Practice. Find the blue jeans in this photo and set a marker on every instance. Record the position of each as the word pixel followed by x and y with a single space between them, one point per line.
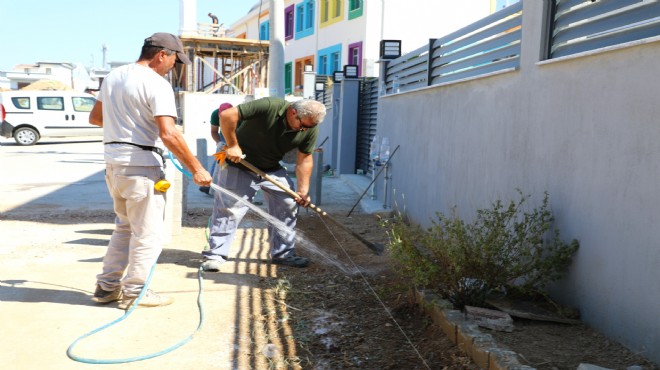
pixel 228 212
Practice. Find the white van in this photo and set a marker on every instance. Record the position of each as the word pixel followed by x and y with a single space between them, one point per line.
pixel 28 115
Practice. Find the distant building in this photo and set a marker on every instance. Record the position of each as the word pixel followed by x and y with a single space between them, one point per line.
pixel 74 76
pixel 5 84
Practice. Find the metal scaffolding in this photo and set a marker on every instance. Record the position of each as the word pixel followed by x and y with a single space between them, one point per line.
pixel 222 65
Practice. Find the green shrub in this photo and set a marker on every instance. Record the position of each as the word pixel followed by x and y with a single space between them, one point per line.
pixel 505 249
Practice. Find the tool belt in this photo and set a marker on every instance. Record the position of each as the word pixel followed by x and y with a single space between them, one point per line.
pixel 154 149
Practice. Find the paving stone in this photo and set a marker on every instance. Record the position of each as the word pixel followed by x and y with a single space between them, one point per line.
pixel 491 319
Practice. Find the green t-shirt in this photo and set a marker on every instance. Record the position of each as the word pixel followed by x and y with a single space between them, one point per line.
pixel 215 119
pixel 264 135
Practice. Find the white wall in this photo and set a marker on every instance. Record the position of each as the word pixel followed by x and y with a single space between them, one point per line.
pixel 586 130
pixel 196 111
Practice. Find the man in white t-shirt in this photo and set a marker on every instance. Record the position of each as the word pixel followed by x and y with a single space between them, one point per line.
pixel 137 111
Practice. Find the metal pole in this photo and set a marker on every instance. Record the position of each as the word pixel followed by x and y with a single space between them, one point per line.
pixel 374 180
pixel 386 178
pixel 276 49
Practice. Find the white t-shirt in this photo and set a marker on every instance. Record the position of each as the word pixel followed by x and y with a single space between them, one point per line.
pixel 132 95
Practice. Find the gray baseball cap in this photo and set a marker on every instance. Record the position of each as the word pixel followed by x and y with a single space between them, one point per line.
pixel 170 42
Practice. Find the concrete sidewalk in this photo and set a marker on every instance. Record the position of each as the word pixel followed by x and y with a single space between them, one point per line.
pixel 56 220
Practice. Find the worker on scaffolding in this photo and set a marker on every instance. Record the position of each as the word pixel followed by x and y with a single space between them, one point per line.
pixel 215 25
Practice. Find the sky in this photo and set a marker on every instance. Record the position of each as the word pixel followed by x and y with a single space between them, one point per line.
pixel 74 31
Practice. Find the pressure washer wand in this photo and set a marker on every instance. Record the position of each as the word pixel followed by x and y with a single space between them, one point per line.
pixel 376 248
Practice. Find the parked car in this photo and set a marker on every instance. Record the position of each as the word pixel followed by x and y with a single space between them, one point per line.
pixel 29 115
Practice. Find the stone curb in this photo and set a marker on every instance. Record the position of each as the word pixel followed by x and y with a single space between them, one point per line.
pixel 481 347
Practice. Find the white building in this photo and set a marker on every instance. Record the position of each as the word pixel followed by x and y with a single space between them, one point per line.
pixel 328 34
pixel 71 75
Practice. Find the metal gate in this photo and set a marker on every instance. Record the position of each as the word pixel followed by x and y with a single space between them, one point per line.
pixel 366 125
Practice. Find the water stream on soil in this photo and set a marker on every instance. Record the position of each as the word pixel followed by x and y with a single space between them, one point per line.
pixel 301 240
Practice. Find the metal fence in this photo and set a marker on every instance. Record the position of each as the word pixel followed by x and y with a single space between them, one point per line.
pixel 486 46
pixel 583 25
pixel 325 95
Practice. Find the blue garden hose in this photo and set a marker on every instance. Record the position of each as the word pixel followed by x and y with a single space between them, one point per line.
pixel 86 360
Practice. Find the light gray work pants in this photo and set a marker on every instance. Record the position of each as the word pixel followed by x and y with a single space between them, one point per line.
pixel 228 212
pixel 137 239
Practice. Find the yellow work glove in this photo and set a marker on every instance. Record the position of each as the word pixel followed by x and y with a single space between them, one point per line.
pixel 221 155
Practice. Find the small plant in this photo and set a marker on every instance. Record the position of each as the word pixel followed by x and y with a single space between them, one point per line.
pixel 504 249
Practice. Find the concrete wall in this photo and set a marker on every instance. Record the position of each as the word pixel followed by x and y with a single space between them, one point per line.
pixel 196 109
pixel 585 129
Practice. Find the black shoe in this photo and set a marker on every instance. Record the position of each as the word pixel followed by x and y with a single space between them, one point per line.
pixel 293 261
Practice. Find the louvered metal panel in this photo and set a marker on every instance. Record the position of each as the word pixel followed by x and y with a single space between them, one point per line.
pixel 488 45
pixel 366 125
pixel 580 26
pixel 324 96
pixel 510 63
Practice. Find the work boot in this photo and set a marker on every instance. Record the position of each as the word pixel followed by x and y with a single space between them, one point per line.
pixel 293 261
pixel 106 296
pixel 150 299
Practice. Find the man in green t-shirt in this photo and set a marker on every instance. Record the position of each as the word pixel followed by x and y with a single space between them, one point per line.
pixel 270 127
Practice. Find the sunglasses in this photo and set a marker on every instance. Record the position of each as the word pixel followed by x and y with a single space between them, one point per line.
pixel 303 126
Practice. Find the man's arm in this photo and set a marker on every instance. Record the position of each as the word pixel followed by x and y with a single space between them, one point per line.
pixel 175 142
pixel 304 165
pixel 228 122
pixel 96 115
pixel 215 134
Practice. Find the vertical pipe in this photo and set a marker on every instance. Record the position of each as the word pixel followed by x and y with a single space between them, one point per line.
pixel 315 183
pixel 187 17
pixel 386 178
pixel 276 49
pixel 373 180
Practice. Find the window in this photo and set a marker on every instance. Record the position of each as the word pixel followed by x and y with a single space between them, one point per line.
pixel 264 31
pixel 82 104
pixel 329 60
pixel 355 55
pixel 309 14
pixel 288 78
pixel 354 9
pixel 300 17
pixel 304 19
pixel 336 61
pixel 332 11
pixel 50 103
pixel 323 65
pixel 288 23
pixel 325 8
pixel 21 103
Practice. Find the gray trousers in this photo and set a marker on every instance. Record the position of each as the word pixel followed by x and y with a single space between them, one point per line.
pixel 228 212
pixel 136 241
